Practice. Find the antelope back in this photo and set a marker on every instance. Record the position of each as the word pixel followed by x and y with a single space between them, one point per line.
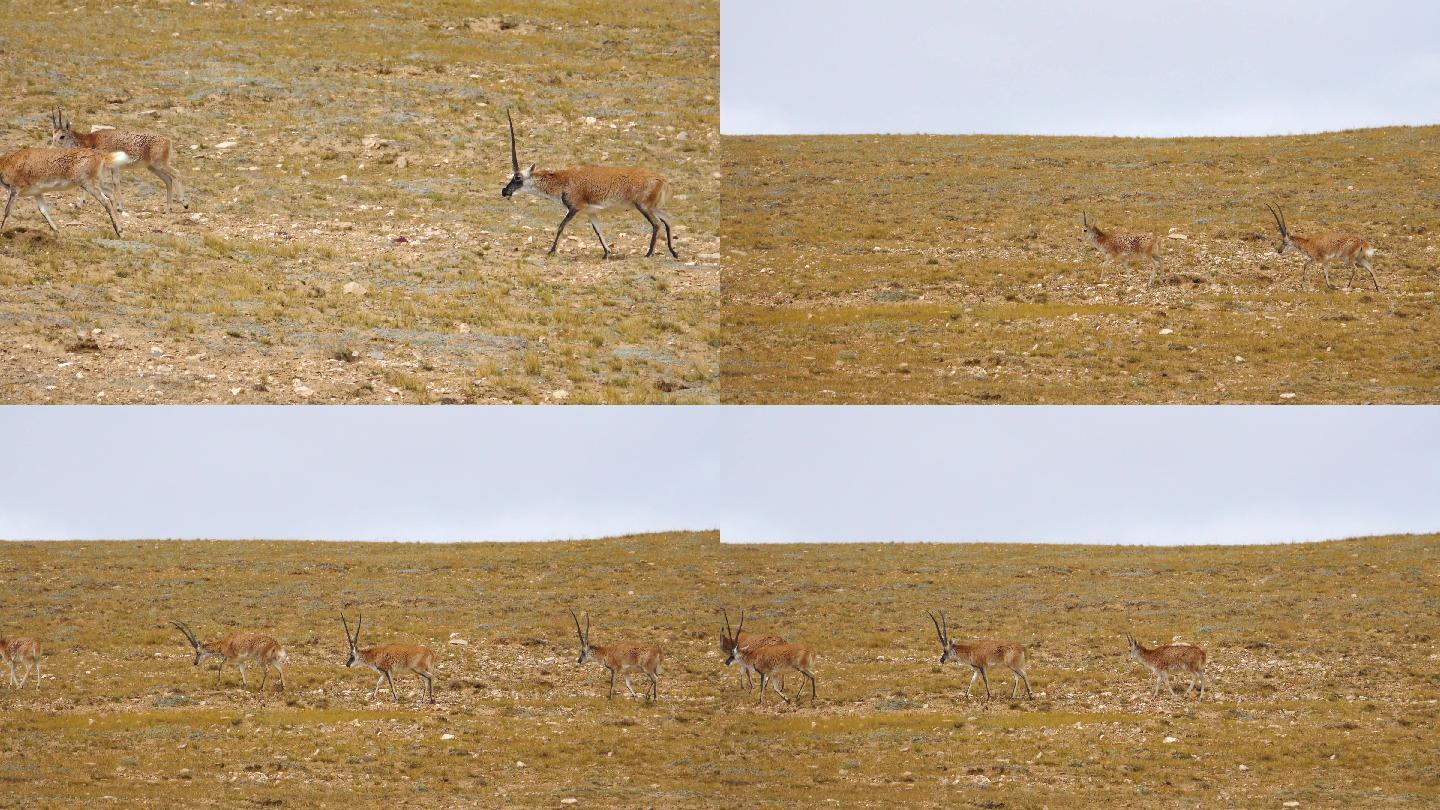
pixel 778 657
pixel 1174 656
pixel 19 649
pixel 28 167
pixel 251 645
pixel 398 657
pixel 585 186
pixel 1326 246
pixel 629 656
pixel 992 654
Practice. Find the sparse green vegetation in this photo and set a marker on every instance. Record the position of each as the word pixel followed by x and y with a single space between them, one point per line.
pixel 345 189
pixel 925 269
pixel 1321 661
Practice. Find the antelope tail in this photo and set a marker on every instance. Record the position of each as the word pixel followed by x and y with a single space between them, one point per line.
pixel 115 160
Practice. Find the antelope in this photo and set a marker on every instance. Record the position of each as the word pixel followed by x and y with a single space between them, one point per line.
pixel 34 172
pixel 243 649
pixel 1324 248
pixel 592 189
pixel 1161 661
pixel 1124 246
pixel 729 641
pixel 981 655
pixel 622 658
pixel 772 660
pixel 388 659
pixel 21 651
pixel 145 148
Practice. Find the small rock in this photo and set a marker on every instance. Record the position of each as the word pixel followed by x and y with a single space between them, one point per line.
pixel 1292 803
pixel 559 393
pixel 302 389
pixel 447 736
pixel 1287 395
pixel 1239 359
pixel 1244 767
pixel 227 144
pixel 235 392
pixel 1169 740
pixel 1167 331
pixel 569 801
pixel 354 288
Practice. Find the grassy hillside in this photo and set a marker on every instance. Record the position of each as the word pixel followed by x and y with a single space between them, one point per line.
pixel 347 241
pixel 952 269
pixel 1325 681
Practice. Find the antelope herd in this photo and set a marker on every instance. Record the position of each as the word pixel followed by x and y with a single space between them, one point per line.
pixel 767 656
pixel 82 160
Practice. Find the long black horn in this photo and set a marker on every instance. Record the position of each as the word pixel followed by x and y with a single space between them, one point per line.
pixel 578 631
pixel 348 638
pixel 186 630
pixel 727 620
pixel 1279 223
pixel 936 622
pixel 1084 219
pixel 514 156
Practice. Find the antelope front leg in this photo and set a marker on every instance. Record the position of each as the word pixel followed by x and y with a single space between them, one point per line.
pixel 569 215
pixel 219 670
pixel 45 212
pixel 244 682
pixel 264 673
pixel 9 203
pixel 970 688
pixel 629 688
pixel 612 685
pixel 775 683
pixel 376 690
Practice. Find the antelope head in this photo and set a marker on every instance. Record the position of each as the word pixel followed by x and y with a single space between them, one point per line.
pixel 733 656
pixel 942 629
pixel 62 133
pixel 1091 232
pixel 519 180
pixel 202 651
pixel 1287 243
pixel 728 640
pixel 353 641
pixel 584 638
pixel 1134 654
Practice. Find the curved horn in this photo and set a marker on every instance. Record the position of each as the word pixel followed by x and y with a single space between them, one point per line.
pixel 1084 219
pixel 514 156
pixel 578 631
pixel 349 639
pixel 936 622
pixel 741 628
pixel 359 621
pixel 194 642
pixel 1279 221
pixel 727 621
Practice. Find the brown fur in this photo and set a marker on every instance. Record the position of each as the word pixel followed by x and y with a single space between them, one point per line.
pixel 1161 661
pixel 147 149
pixel 389 660
pixel 981 655
pixel 772 660
pixel 1324 248
pixel 21 651
pixel 1126 246
pixel 621 659
pixel 728 641
pixel 34 172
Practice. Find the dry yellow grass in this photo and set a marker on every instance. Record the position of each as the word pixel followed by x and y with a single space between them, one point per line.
pixel 354 232
pixel 951 269
pixel 1322 664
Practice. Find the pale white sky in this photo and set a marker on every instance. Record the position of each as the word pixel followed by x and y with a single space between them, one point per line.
pixel 1074 474
pixel 1109 67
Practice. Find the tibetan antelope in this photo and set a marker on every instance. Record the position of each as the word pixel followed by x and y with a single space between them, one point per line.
pixel 591 189
pixel 1161 661
pixel 389 659
pixel 1124 247
pixel 981 655
pixel 728 642
pixel 1324 248
pixel 623 659
pixel 25 651
pixel 34 172
pixel 144 148
pixel 772 660
pixel 243 649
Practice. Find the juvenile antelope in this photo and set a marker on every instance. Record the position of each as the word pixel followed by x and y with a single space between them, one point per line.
pixel 623 659
pixel 243 649
pixel 1124 247
pixel 591 189
pixel 1324 248
pixel 772 660
pixel 1161 661
pixel 728 642
pixel 21 651
pixel 33 172
pixel 982 655
pixel 144 148
pixel 390 659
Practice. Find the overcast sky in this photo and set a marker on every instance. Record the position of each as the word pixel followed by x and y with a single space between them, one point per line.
pixel 1111 67
pixel 1126 475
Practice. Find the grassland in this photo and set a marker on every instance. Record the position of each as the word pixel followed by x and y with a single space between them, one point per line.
pixel 347 241
pixel 1324 675
pixel 952 270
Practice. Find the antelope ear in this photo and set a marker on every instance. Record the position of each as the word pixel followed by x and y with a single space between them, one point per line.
pixel 530 170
